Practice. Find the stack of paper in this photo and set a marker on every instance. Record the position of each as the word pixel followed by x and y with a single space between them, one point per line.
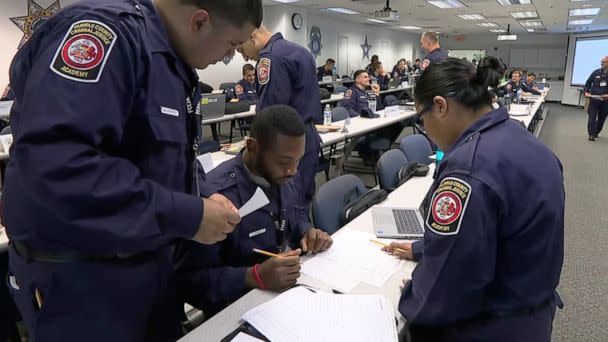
pixel 301 315
pixel 352 259
pixel 519 109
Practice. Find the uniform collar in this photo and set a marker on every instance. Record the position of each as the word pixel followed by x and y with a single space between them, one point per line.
pixel 435 50
pixel 159 38
pixel 274 38
pixel 492 118
pixel 247 182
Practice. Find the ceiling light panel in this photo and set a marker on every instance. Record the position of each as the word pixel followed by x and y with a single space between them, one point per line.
pixel 498 30
pixel 339 10
pixel 487 24
pixel 580 22
pixel 446 4
pixel 409 27
pixel 285 1
pixel 514 2
pixel 531 23
pixel 475 16
pixel 524 15
pixel 378 21
pixel 584 12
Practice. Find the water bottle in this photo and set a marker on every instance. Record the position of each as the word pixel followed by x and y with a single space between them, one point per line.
pixel 371 100
pixel 438 156
pixel 519 96
pixel 327 115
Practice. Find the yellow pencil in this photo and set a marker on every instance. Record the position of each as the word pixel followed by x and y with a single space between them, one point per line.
pixel 259 251
pixel 382 244
pixel 38 298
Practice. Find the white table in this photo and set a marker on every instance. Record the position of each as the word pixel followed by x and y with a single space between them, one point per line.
pixel 338 81
pixel 527 120
pixel 5 109
pixel 334 98
pixel 410 194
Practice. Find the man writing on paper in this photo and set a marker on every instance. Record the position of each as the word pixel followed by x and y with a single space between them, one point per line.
pixel 213 276
pixel 596 89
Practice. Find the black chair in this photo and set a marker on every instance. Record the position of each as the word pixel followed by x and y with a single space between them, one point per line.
pixel 227 86
pixel 244 123
pixel 390 100
pixel 330 200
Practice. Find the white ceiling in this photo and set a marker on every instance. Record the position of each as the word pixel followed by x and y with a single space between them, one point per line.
pixel 553 14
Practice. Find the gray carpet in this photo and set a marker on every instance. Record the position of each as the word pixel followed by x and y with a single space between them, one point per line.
pixel 584 281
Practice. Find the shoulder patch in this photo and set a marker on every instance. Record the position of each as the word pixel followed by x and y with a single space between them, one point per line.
pixel 238 89
pixel 84 51
pixel 425 63
pixel 263 71
pixel 348 95
pixel 448 206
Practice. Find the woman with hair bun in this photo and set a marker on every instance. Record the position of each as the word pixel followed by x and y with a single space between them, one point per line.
pixel 494 240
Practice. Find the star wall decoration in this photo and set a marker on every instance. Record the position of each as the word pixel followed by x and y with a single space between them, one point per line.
pixel 36 16
pixel 315 44
pixel 227 59
pixel 366 49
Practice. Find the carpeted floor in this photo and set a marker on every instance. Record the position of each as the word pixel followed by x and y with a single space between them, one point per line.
pixel 584 281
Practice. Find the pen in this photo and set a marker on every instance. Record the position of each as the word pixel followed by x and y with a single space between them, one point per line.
pixel 379 243
pixel 38 298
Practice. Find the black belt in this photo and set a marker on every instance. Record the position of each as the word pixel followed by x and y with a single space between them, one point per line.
pixel 28 253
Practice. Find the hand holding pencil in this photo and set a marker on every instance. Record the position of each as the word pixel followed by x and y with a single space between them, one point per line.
pixel 401 250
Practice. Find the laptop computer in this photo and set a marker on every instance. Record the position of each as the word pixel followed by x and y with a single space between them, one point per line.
pixel 398 223
pixel 394 82
pixel 213 105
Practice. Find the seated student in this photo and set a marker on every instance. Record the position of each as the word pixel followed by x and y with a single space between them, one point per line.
pixel 416 67
pixel 368 68
pixel 7 94
pixel 245 88
pixel 531 83
pixel 400 70
pixel 408 65
pixel 211 277
pixel 326 70
pixel 516 83
pixel 356 97
pixel 379 76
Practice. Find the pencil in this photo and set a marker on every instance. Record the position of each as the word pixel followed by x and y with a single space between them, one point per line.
pixel 259 251
pixel 380 243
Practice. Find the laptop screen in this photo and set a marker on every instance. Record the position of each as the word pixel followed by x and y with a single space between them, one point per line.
pixel 213 105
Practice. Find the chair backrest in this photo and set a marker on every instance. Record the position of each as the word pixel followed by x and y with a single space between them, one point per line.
pixel 345 77
pixel 237 107
pixel 7 129
pixel 227 85
pixel 416 147
pixel 390 100
pixel 338 114
pixel 389 165
pixel 331 199
pixel 340 89
pixel 205 88
pixel 324 94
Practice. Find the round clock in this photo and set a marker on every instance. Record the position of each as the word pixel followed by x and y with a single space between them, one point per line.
pixel 297 21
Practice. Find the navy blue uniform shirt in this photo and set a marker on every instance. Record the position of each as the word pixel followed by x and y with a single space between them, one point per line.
pixel 215 275
pixel 356 99
pixel 401 75
pixel 433 57
pixel 381 80
pixel 494 239
pixel 285 76
pixel 514 87
pixel 101 160
pixel 246 91
pixel 322 72
pixel 597 83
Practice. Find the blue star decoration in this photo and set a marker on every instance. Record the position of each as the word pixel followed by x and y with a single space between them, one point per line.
pixel 36 16
pixel 315 45
pixel 228 59
pixel 366 49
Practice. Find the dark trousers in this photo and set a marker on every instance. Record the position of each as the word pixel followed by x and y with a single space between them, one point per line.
pixel 307 170
pixel 8 312
pixel 535 326
pixel 97 301
pixel 598 110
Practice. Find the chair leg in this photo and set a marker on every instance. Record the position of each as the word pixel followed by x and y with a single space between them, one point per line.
pixel 232 122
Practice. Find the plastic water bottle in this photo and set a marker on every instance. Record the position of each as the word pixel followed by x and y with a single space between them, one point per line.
pixel 519 96
pixel 372 103
pixel 327 115
pixel 438 156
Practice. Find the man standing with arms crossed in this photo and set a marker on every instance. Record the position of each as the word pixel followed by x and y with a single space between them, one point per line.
pixel 102 177
pixel 286 74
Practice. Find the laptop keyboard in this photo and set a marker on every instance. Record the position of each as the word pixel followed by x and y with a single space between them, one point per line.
pixel 407 222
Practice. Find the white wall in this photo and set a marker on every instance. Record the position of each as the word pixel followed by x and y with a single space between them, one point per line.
pixel 502 49
pixel 278 19
pixel 571 94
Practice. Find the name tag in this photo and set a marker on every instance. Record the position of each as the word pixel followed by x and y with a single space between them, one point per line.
pixel 169 111
pixel 257 232
pixel 603 84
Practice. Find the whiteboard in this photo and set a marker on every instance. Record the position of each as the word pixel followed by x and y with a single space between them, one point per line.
pixel 587 55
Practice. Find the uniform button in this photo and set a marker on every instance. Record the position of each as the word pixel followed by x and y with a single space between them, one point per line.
pixel 232 175
pixel 137 7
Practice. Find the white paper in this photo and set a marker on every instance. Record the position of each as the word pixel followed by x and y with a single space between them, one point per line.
pixel 242 337
pixel 334 317
pixel 352 259
pixel 257 201
pixel 5 108
pixel 519 109
pixel 207 162
pixel 6 140
pixel 392 111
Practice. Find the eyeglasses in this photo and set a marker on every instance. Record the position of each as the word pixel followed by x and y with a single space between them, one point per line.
pixel 425 109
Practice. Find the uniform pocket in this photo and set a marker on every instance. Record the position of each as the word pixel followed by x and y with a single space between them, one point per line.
pixel 169 129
